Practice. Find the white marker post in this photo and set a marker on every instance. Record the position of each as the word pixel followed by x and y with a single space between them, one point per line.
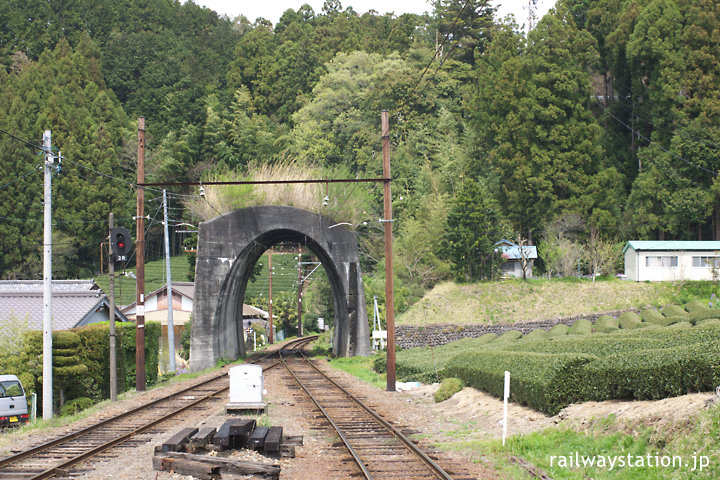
pixel 505 406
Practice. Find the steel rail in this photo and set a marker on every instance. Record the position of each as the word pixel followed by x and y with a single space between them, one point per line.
pixel 366 473
pixel 74 435
pixel 437 469
pixel 51 472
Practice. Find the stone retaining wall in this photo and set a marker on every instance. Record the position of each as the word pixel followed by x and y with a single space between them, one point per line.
pixel 411 336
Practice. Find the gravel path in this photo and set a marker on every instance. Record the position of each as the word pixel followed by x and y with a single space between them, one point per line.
pixel 319 458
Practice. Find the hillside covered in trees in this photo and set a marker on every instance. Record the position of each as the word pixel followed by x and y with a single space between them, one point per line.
pixel 600 125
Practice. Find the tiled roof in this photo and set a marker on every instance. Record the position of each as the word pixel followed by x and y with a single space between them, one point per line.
pixel 72 302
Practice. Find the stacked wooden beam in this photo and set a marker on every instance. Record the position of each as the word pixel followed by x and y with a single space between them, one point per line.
pixel 177 453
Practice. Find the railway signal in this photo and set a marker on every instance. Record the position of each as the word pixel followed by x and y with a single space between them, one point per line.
pixel 120 241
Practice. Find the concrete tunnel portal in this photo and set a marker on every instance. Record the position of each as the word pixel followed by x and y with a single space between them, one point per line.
pixel 228 248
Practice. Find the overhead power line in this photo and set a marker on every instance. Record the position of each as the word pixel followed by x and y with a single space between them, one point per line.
pixel 635 132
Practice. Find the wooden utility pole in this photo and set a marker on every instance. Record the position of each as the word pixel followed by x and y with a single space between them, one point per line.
pixel 389 289
pixel 270 318
pixel 140 264
pixel 111 312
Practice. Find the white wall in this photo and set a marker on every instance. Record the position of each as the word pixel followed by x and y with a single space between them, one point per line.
pixel 636 269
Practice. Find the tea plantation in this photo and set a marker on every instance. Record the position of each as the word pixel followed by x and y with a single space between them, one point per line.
pixel 646 356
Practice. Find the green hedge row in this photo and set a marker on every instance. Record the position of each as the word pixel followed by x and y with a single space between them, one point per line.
pixel 81 361
pixel 645 363
pixel 542 381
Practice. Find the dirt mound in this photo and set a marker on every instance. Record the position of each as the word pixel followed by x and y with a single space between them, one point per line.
pixel 485 412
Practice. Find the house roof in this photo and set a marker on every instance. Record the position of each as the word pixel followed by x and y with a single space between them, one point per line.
pixel 73 302
pixel 511 251
pixel 671 245
pixel 187 289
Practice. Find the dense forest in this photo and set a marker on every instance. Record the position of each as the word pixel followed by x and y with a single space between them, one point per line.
pixel 599 125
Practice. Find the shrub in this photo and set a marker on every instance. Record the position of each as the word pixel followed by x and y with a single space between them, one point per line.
pixel 680 325
pixel 509 336
pixel 696 304
pixel 535 335
pixel 580 327
pixel 76 405
pixel 653 374
pixel 542 381
pixel 606 324
pixel 704 313
pixel 559 330
pixel 448 388
pixel 652 315
pixel 674 311
pixel 709 322
pixel 629 320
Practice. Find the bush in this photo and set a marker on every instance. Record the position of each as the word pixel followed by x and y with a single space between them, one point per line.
pixel 559 330
pixel 653 374
pixel 709 322
pixel 535 335
pixel 448 388
pixel 674 311
pixel 696 304
pixel 509 336
pixel 580 327
pixel 703 313
pixel 606 324
pixel 629 320
pixel 652 315
pixel 680 325
pixel 76 405
pixel 542 381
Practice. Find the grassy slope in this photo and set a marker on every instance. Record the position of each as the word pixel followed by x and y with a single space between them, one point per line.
pixel 517 301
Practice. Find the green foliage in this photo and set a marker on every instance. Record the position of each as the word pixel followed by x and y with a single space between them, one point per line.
pixel 448 387
pixel 629 320
pixel 545 382
pixel 74 406
pixel 674 311
pixel 559 330
pixel 645 363
pixel 652 315
pixel 580 327
pixel 606 324
pixel 474 224
pixel 185 340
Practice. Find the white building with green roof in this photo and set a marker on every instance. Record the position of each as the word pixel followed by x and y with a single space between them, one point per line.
pixel 671 260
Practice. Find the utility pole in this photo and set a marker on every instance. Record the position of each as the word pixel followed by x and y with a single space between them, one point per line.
pixel 270 325
pixel 140 264
pixel 389 288
pixel 300 282
pixel 111 295
pixel 168 290
pixel 47 280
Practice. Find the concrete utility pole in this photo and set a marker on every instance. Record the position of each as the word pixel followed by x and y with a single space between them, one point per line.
pixel 270 325
pixel 389 288
pixel 111 311
pixel 168 290
pixel 140 264
pixel 300 282
pixel 47 281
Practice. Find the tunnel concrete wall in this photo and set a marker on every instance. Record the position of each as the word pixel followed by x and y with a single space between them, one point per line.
pixel 228 248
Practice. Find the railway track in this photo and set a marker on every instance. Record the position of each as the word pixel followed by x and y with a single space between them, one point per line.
pixel 68 454
pixel 379 449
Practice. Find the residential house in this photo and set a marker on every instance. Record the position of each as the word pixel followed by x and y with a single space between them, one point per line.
pixel 671 260
pixel 183 293
pixel 515 256
pixel 75 303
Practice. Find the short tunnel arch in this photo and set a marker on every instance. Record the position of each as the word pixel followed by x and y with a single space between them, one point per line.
pixel 229 246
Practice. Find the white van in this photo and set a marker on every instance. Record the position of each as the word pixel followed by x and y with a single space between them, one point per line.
pixel 13 404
